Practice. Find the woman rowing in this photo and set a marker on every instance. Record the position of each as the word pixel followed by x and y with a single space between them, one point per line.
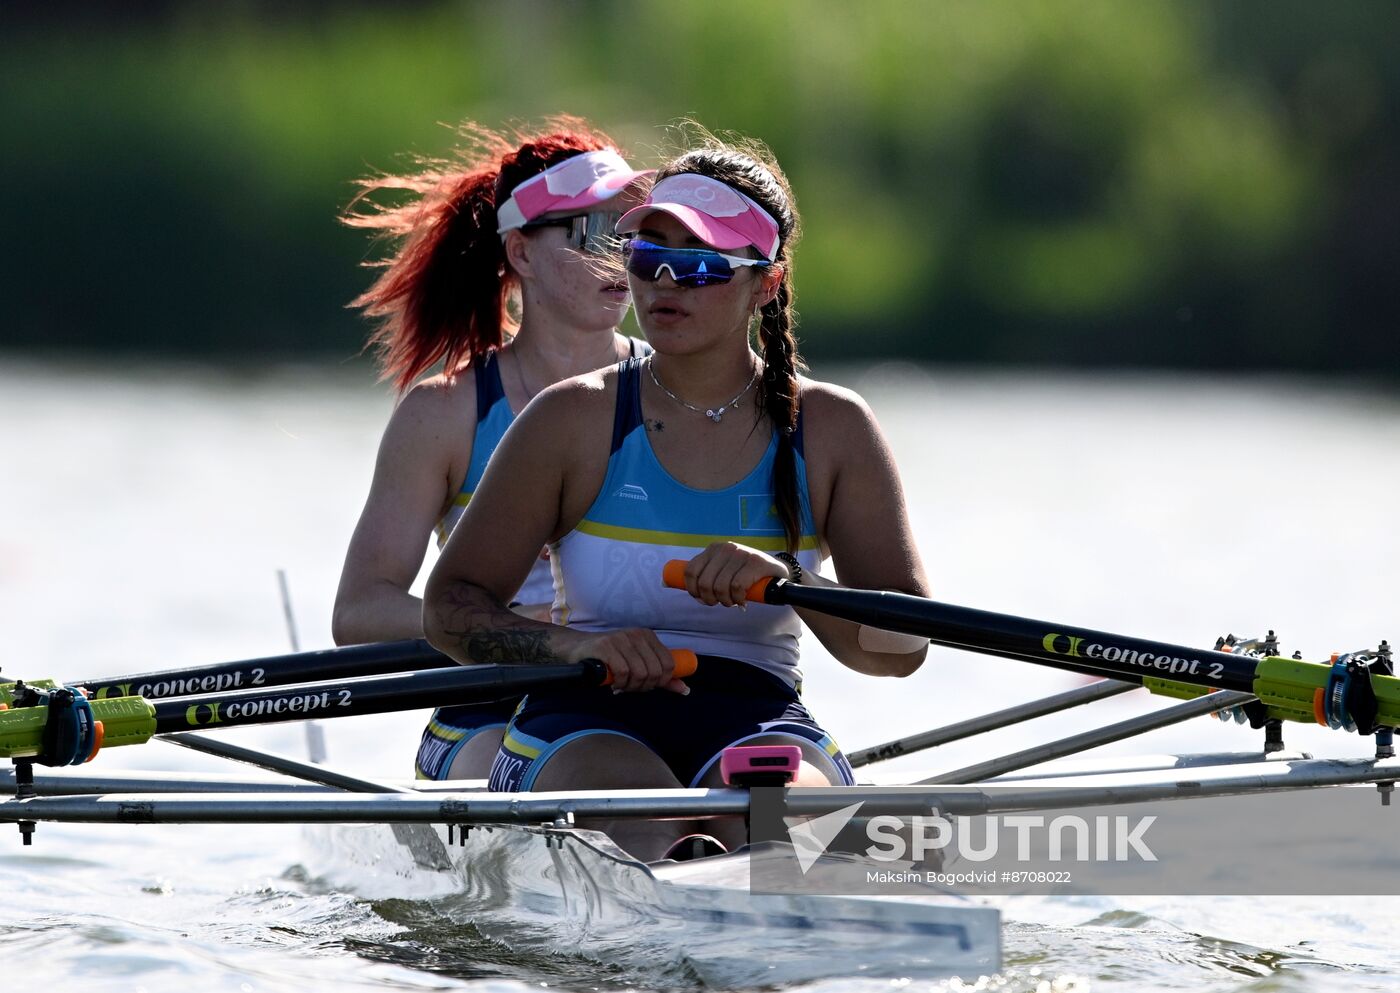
pixel 505 230
pixel 705 451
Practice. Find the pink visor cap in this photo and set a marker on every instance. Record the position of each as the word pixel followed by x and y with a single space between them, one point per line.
pixel 714 212
pixel 580 182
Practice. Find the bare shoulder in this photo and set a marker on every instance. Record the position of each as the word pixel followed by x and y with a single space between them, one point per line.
pixel 857 497
pixel 437 418
pixel 441 402
pixel 590 387
pixel 844 449
pixel 832 413
pixel 574 405
pixel 431 429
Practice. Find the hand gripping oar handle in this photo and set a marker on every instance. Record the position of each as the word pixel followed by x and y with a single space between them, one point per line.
pixel 673 575
pixel 1288 688
pixel 684 663
pixel 132 720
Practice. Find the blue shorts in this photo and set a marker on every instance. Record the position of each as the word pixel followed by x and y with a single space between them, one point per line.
pixel 729 703
pixel 449 730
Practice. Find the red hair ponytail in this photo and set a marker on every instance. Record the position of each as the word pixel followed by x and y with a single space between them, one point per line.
pixel 445 292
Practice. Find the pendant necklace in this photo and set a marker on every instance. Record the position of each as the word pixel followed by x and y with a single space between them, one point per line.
pixel 713 413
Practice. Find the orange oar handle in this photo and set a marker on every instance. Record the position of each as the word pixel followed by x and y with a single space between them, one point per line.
pixel 683 659
pixel 673 575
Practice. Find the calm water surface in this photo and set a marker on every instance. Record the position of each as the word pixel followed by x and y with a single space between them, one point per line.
pixel 145 511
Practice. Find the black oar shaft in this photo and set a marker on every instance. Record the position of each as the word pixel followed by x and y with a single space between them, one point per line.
pixel 1059 645
pixel 368 695
pixel 274 670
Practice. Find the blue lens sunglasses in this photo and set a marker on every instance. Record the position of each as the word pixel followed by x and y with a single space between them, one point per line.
pixel 692 267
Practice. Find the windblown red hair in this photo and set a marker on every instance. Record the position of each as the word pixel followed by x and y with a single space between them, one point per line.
pixel 445 293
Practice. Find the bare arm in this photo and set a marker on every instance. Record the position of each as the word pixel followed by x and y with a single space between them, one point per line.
pixel 859 505
pixel 868 532
pixel 411 488
pixel 541 478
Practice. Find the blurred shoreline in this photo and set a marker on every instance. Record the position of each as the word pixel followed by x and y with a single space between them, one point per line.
pixel 1076 183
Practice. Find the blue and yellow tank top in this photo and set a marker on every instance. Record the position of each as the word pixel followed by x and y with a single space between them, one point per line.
pixel 493 417
pixel 607 571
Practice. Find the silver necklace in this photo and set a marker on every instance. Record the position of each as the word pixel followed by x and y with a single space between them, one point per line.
pixel 713 413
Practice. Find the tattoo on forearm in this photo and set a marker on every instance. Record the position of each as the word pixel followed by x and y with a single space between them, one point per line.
pixel 485 630
pixel 507 646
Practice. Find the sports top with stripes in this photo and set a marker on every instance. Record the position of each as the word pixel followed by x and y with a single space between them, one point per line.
pixel 607 570
pixel 493 417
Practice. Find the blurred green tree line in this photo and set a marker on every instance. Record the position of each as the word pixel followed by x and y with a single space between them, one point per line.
pixel 1082 182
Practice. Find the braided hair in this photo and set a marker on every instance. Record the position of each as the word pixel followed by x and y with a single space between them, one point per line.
pixel 750 169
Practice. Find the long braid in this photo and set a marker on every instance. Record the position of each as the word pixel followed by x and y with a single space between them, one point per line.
pixel 749 168
pixel 778 397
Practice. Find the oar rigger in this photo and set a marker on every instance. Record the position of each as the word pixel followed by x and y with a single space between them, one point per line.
pixel 1354 692
pixel 70 733
pixel 1254 712
pixel 1350 701
pixel 51 724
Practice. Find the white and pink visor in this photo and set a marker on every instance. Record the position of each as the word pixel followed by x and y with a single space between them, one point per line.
pixel 580 183
pixel 714 212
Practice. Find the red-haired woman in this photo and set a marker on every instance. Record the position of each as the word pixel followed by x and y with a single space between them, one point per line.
pixel 496 278
pixel 707 450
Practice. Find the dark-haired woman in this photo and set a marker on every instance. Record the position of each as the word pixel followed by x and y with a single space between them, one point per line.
pixel 705 450
pixel 494 278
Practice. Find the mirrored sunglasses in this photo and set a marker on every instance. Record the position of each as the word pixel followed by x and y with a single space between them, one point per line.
pixel 594 232
pixel 691 267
